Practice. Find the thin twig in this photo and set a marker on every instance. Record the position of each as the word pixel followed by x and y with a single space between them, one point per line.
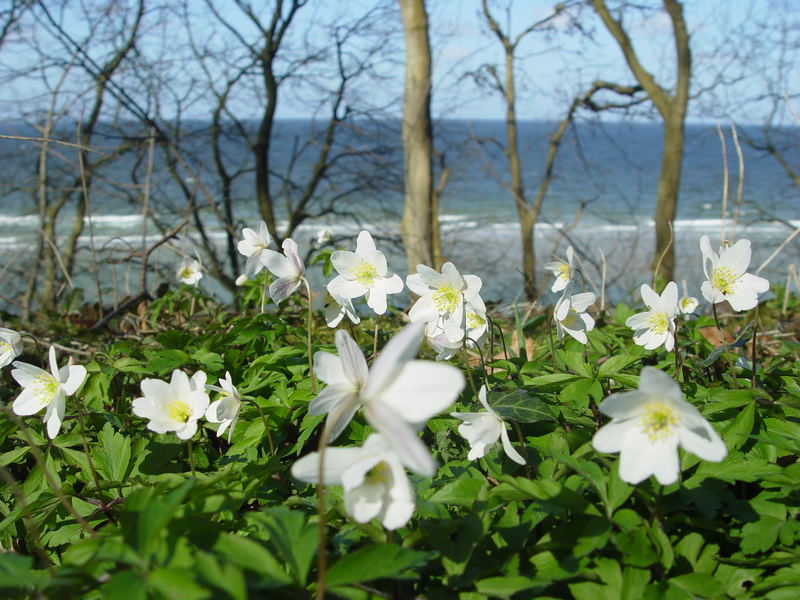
pixel 740 182
pixel 724 147
pixel 783 244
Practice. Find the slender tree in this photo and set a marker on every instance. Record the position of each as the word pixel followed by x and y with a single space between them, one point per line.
pixel 419 214
pixel 671 106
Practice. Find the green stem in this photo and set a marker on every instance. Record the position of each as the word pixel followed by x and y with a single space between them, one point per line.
pixel 309 325
pixel 88 454
pixel 522 443
pixel 468 370
pixel 266 426
pixel 550 340
pixel 42 464
pixel 755 343
pixel 375 339
pixel 190 456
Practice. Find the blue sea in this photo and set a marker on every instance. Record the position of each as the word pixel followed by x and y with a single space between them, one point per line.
pixel 601 201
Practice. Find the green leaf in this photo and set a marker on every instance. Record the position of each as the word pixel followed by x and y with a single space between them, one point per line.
pixel 376 562
pixel 617 363
pixel 113 454
pixel 519 406
pixel 12 456
pixel 504 587
pixel 251 555
pixel 165 361
pixel 460 491
pixel 293 538
pixel 576 363
pixel 177 583
pixel 738 432
pixel 156 514
pixel 698 585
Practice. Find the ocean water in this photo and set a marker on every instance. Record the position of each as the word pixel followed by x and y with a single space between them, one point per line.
pixel 601 201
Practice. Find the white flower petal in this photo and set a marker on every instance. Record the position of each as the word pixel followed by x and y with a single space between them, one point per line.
pixel 398 351
pixel 698 437
pixel 328 368
pixel 337 461
pixel 611 437
pixel 56 416
pixel 402 437
pixel 72 377
pixel 354 365
pixel 509 449
pixel 423 389
pixel 282 288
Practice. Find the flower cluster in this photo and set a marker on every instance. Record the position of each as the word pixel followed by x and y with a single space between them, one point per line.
pixel 178 405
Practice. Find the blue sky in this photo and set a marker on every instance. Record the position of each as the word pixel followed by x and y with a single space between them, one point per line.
pixel 551 68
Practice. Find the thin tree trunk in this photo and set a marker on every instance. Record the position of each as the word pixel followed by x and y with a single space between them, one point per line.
pixel 416 225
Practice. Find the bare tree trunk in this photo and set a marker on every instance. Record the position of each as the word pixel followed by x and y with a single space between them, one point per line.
pixel 667 200
pixel 672 108
pixel 416 225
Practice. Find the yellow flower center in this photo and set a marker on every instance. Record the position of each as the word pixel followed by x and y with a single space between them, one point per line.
pixel 179 411
pixel 571 320
pixel 364 273
pixel 723 279
pixel 187 273
pixel 380 473
pixel 4 346
pixel 474 320
pixel 659 323
pixel 658 421
pixel 446 298
pixel 563 271
pixel 685 303
pixel 45 387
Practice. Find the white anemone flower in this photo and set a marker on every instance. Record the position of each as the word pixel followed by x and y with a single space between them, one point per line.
pixel 374 481
pixel 570 314
pixel 727 277
pixel 564 271
pixel 42 389
pixel 225 411
pixel 476 328
pixel 398 394
pixel 483 429
pixel 687 305
pixel 656 326
pixel 287 267
pixel 647 426
pixel 174 406
pixel 190 272
pixel 10 346
pixel 334 309
pixel 364 273
pixel 252 246
pixel 442 297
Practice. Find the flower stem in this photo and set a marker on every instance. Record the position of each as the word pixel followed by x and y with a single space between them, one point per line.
pixel 54 486
pixel 375 339
pixel 755 343
pixel 550 340
pixel 309 325
pixel 676 351
pixel 468 369
pixel 716 319
pixel 321 555
pixel 521 437
pixel 190 456
pixel 266 427
pixel 88 454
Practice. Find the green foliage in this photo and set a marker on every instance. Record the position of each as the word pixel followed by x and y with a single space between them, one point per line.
pixel 111 510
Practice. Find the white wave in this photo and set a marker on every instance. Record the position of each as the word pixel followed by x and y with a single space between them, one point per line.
pixel 19 220
pixel 120 220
